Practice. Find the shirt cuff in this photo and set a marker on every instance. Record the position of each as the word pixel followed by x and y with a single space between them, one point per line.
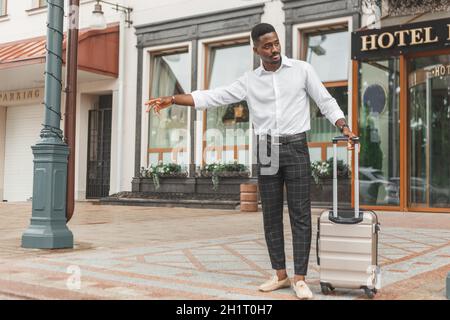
pixel 335 116
pixel 199 101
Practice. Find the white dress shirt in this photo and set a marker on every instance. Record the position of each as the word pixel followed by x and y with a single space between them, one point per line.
pixel 278 101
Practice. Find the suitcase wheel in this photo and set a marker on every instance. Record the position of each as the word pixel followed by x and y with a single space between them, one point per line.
pixel 370 293
pixel 326 288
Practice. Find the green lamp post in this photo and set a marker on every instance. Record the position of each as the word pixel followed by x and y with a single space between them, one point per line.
pixel 48 229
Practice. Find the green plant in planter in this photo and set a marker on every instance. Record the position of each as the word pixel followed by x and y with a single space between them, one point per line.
pixel 324 170
pixel 216 170
pixel 161 170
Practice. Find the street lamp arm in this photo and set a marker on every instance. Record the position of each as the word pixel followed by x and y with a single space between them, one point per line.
pixel 118 7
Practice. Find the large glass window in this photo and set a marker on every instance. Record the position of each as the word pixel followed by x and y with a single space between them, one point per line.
pixel 226 135
pixel 379 130
pixel 2 7
pixel 168 135
pixel 429 131
pixel 328 53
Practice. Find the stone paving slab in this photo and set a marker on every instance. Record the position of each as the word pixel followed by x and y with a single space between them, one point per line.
pixel 178 253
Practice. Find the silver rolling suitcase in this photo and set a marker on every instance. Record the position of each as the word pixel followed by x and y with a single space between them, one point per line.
pixel 347 241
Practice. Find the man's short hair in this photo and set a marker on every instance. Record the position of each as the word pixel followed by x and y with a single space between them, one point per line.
pixel 260 30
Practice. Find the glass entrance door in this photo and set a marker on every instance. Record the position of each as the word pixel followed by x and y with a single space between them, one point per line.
pixel 429 132
pixel 379 131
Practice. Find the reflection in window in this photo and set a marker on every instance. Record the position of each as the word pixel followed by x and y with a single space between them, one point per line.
pixel 329 54
pixel 168 130
pixel 379 132
pixel 227 126
pixel 429 131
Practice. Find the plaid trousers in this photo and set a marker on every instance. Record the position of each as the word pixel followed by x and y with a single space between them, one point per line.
pixel 294 171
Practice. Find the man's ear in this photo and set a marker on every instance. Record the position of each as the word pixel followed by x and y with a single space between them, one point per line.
pixel 255 50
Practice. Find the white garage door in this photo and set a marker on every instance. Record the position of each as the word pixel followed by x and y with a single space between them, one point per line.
pixel 23 125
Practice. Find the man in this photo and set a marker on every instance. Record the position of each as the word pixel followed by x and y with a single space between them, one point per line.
pixel 277 96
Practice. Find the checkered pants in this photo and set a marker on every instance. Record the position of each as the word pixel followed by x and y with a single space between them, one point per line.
pixel 294 171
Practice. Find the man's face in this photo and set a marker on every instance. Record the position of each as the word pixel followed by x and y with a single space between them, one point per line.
pixel 268 48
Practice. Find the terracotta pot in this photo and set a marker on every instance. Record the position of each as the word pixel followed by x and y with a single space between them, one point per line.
pixel 249 197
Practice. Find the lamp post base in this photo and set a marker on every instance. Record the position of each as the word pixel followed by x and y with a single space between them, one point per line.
pixel 48 229
pixel 47 237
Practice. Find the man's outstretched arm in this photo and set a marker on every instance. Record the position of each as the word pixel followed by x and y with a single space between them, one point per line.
pixel 203 99
pixel 163 102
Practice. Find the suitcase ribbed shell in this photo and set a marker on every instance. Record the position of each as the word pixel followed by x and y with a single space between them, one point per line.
pixel 348 252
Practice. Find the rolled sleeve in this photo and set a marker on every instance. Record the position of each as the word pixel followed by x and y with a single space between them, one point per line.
pixel 235 92
pixel 199 100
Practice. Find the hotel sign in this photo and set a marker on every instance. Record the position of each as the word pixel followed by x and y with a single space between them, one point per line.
pixel 440 70
pixel 20 97
pixel 401 39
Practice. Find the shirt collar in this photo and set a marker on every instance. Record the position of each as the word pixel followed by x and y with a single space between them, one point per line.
pixel 285 62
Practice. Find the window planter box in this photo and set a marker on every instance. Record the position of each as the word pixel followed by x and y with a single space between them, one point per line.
pixel 172 184
pixel 229 185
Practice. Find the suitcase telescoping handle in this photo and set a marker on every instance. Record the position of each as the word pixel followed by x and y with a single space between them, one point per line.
pixel 356 174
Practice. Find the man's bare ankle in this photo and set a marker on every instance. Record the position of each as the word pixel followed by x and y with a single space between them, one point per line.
pixel 298 278
pixel 281 274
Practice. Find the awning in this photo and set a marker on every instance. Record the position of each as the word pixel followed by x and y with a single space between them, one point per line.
pixel 22 52
pixel 98 51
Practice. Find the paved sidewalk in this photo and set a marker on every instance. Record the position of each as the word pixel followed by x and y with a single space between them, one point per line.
pixel 177 253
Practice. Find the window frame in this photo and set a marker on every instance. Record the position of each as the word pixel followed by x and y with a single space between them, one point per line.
pixel 207 46
pixel 4 12
pixel 161 151
pixel 148 65
pixel 41 4
pixel 37 7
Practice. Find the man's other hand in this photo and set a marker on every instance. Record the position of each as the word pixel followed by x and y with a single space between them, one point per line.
pixel 351 144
